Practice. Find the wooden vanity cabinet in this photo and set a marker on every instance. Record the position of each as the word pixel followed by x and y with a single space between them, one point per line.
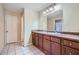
pixel 51 45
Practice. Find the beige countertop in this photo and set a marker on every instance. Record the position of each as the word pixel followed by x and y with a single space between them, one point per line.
pixel 70 36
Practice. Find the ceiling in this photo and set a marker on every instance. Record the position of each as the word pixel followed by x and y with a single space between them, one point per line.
pixel 18 6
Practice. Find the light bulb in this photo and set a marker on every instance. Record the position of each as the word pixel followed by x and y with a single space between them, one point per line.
pixel 44 12
pixel 51 9
pixel 47 10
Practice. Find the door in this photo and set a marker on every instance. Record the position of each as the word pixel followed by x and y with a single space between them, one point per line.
pixel 58 25
pixel 11 28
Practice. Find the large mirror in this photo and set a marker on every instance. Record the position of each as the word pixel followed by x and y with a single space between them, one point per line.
pixel 54 20
pixel 64 20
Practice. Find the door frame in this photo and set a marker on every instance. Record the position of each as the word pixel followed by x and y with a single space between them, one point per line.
pixel 57 20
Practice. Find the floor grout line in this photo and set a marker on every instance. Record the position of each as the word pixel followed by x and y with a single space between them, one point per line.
pixel 15 49
pixel 20 50
pixel 7 49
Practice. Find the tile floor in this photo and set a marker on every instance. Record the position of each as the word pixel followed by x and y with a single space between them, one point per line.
pixel 16 49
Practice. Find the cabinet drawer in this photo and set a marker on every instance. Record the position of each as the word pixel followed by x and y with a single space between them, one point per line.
pixel 47 37
pixel 40 35
pixel 36 34
pixel 32 32
pixel 55 39
pixel 71 44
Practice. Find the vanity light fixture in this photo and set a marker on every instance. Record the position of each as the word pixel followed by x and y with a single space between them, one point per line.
pixel 46 11
pixel 52 9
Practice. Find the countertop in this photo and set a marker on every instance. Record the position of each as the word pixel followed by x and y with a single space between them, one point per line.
pixel 69 36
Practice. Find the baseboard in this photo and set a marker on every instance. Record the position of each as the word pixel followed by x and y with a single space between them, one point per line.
pixel 13 42
pixel 27 44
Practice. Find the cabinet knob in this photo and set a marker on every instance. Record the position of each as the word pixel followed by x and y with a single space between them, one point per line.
pixel 70 44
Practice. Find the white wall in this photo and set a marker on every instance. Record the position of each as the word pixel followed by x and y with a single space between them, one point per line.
pixel 31 23
pixel 1 27
pixel 42 22
pixel 71 17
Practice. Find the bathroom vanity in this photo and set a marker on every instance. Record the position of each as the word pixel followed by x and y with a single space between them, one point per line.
pixel 53 43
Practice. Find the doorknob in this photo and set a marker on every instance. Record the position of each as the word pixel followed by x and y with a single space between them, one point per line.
pixel 7 31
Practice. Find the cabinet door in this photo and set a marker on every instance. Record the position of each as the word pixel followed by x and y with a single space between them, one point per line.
pixel 33 39
pixel 36 41
pixel 55 48
pixel 55 39
pixel 46 46
pixel 69 51
pixel 40 43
